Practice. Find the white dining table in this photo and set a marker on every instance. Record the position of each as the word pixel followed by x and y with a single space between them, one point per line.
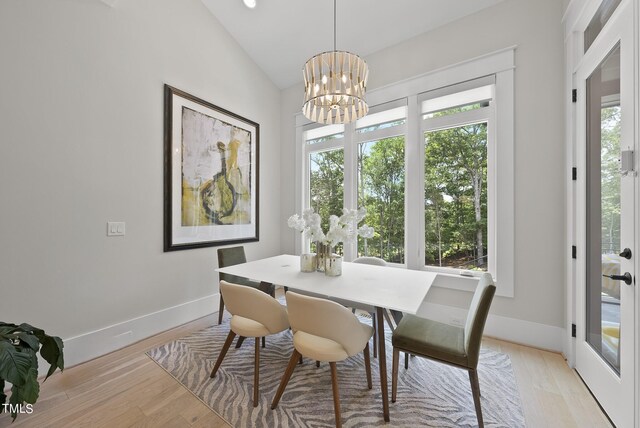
pixel 379 286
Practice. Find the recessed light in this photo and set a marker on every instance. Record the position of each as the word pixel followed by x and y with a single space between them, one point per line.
pixel 249 3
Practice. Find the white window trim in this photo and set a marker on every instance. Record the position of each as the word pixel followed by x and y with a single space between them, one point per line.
pixel 501 64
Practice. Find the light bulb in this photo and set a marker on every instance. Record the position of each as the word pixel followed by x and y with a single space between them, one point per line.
pixel 249 3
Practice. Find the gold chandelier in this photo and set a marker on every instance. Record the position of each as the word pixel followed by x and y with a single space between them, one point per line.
pixel 335 84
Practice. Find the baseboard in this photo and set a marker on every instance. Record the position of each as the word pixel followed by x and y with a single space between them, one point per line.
pixel 528 333
pixel 91 345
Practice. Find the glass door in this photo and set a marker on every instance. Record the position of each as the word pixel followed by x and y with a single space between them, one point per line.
pixel 606 210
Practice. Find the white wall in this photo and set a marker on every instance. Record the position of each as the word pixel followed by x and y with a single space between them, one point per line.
pixel 81 143
pixel 535 27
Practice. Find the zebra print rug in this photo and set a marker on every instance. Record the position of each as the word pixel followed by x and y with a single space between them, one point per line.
pixel 429 393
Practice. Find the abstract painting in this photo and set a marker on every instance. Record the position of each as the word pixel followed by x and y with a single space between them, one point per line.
pixel 211 171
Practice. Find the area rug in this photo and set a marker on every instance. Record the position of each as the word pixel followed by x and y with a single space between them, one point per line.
pixel 429 394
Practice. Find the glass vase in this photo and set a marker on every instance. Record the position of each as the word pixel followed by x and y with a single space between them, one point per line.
pixel 323 251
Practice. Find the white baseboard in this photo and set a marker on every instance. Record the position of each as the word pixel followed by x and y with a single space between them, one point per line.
pixel 93 344
pixel 511 329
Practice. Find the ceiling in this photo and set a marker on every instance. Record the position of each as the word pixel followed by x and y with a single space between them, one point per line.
pixel 280 35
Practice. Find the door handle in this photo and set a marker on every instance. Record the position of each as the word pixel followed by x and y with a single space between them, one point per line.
pixel 626 253
pixel 626 277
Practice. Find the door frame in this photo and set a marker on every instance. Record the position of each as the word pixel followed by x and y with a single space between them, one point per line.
pixel 575 20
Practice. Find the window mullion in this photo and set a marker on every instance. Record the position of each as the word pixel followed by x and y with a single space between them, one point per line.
pixel 414 187
pixel 350 182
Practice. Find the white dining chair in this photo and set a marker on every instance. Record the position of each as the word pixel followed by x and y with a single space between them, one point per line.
pixel 324 331
pixel 253 314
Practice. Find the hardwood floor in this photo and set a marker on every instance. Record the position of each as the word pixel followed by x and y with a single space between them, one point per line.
pixel 127 389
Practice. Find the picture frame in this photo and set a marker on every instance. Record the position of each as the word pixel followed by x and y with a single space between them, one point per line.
pixel 211 171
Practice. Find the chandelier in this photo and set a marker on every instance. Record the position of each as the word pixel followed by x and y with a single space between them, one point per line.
pixel 335 84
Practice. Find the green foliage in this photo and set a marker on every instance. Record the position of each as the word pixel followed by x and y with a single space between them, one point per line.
pixel 381 190
pixel 19 346
pixel 610 179
pixel 456 197
pixel 455 194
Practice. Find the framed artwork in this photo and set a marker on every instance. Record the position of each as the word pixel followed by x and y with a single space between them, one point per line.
pixel 210 172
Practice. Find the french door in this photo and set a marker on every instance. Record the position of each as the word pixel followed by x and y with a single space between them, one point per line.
pixel 606 213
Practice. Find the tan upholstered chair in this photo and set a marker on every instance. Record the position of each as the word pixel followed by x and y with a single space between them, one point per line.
pixel 324 331
pixel 456 346
pixel 234 256
pixel 253 314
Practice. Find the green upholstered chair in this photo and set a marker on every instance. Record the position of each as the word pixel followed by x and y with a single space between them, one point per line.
pixel 456 346
pixel 234 256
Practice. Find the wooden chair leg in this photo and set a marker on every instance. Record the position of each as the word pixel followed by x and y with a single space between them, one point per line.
pixel 394 374
pixel 220 310
pixel 300 360
pixel 239 342
pixel 475 389
pixel 367 365
pixel 406 361
pixel 336 394
pixel 317 363
pixel 223 352
pixel 375 336
pixel 293 361
pixel 264 342
pixel 256 373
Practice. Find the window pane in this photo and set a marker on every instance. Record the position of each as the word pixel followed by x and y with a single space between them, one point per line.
pixel 381 191
pixel 604 12
pixel 326 184
pixel 325 138
pixel 382 126
pixel 448 111
pixel 456 197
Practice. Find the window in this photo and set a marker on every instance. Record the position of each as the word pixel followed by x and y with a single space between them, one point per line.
pixel 381 182
pixel 425 163
pixel 455 178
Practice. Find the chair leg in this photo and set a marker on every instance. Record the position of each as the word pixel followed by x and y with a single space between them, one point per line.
pixel 256 373
pixel 239 342
pixel 394 374
pixel 317 363
pixel 220 310
pixel 367 365
pixel 300 360
pixel 293 361
pixel 406 361
pixel 375 336
pixel 223 352
pixel 264 342
pixel 336 394
pixel 475 389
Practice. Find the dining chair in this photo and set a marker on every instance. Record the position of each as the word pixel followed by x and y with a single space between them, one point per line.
pixel 452 345
pixel 233 256
pixel 253 314
pixel 324 331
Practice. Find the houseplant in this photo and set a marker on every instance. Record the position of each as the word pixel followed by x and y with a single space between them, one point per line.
pixel 19 347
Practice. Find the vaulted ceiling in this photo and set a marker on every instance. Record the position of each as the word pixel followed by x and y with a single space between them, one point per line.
pixel 280 35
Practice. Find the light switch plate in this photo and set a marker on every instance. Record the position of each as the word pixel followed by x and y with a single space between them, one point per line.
pixel 115 228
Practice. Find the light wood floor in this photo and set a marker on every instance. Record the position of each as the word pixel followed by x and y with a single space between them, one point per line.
pixel 127 389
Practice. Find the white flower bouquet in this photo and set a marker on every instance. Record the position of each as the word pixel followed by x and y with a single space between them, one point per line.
pixel 341 229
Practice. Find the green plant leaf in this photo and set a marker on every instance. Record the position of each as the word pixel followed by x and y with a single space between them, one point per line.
pixel 37 332
pixel 30 340
pixel 31 388
pixel 15 399
pixel 51 351
pixel 14 365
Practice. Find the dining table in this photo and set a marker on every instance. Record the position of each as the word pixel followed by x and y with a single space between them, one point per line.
pixel 383 287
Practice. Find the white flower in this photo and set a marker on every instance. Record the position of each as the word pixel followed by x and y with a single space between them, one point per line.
pixel 341 229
